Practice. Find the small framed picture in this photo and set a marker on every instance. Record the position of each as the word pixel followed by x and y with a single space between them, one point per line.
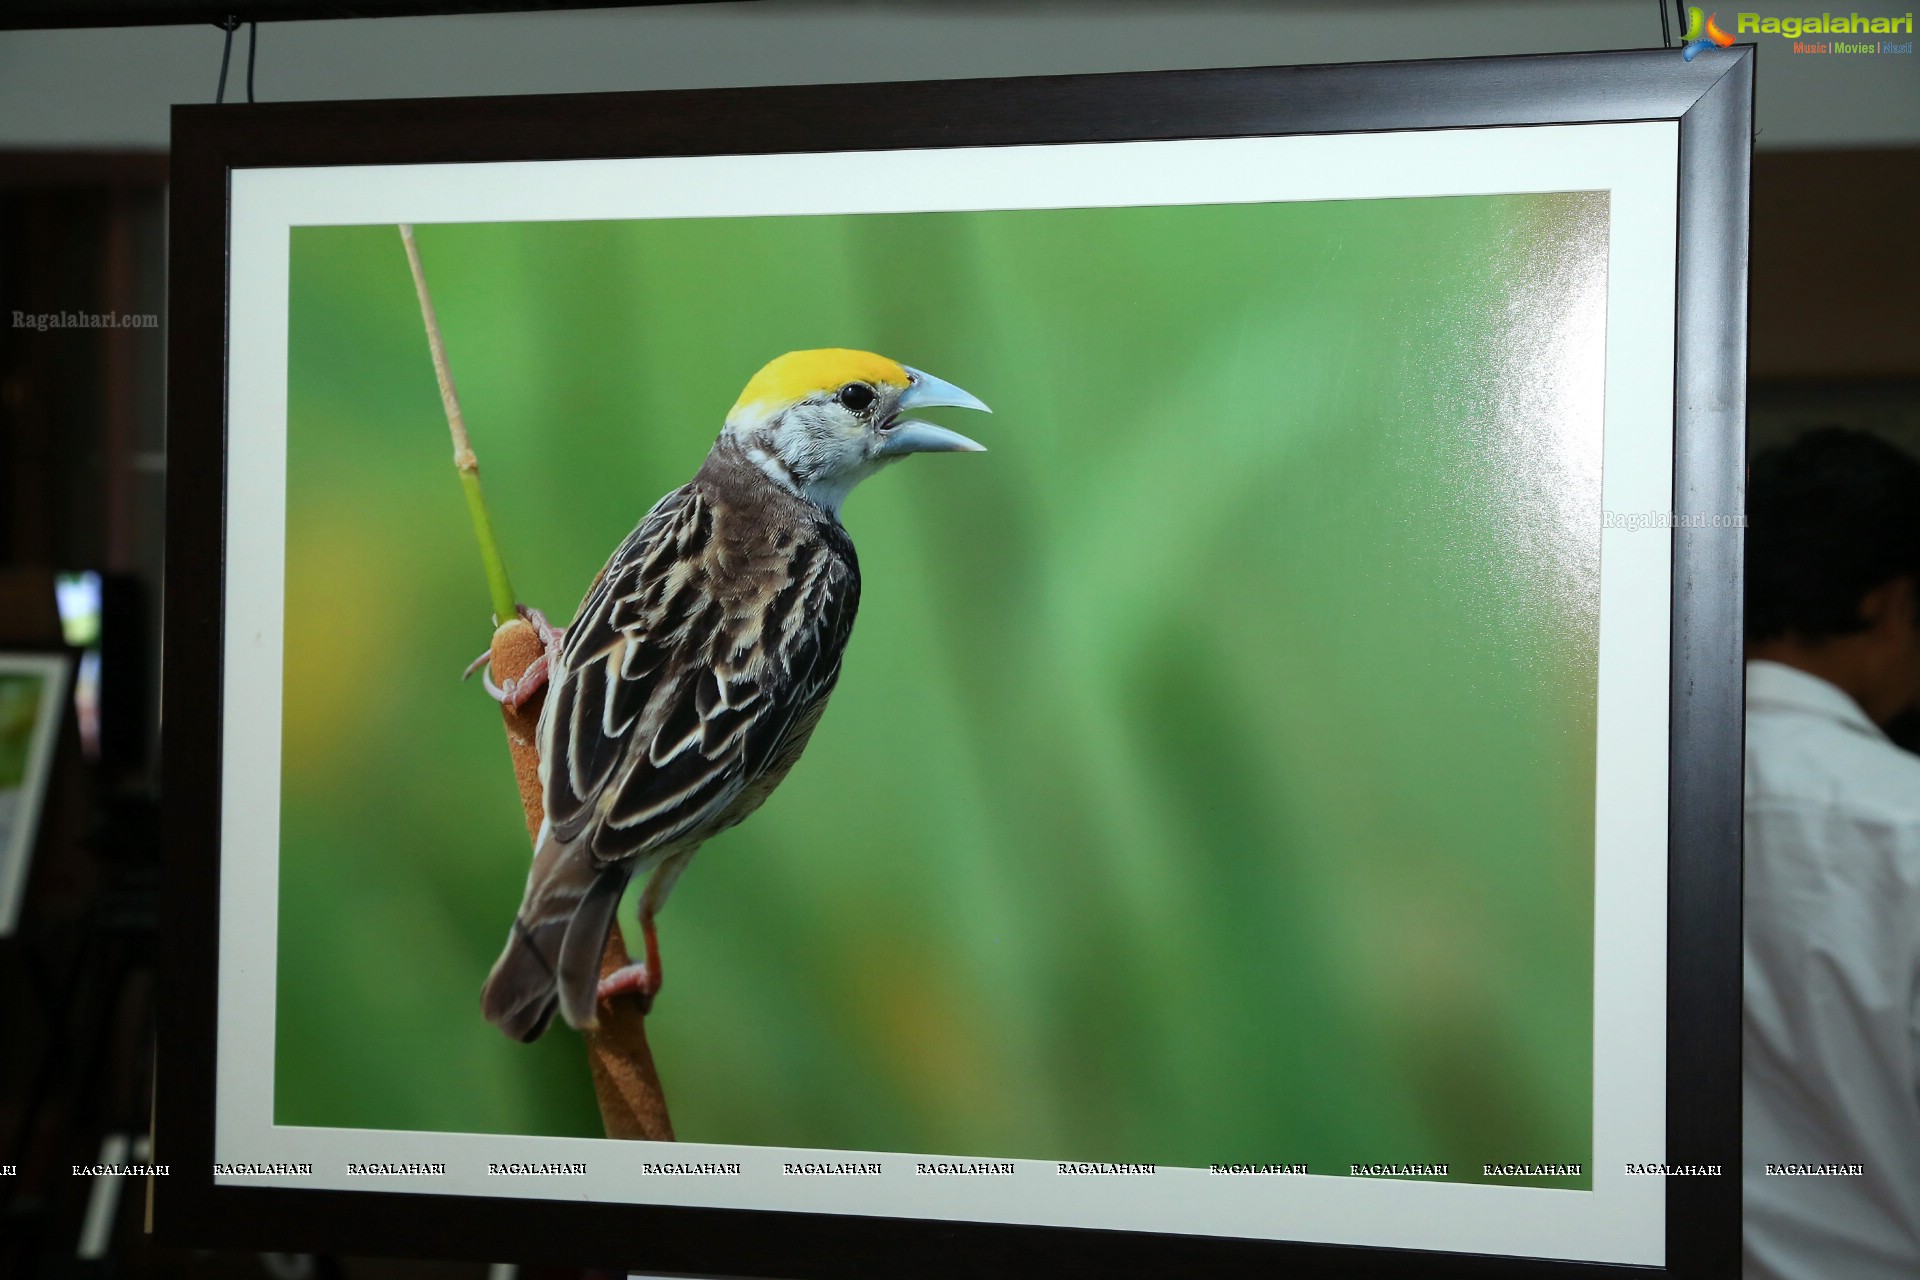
pixel 33 700
pixel 1266 796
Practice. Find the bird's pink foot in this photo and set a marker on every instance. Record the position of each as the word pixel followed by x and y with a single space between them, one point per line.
pixel 517 692
pixel 638 978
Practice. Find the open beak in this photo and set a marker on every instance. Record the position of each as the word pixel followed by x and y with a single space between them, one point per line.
pixel 929 392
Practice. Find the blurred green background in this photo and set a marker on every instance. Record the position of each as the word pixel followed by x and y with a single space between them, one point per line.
pixel 1211 773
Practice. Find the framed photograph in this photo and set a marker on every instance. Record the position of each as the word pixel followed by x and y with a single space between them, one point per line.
pixel 1278 806
pixel 33 697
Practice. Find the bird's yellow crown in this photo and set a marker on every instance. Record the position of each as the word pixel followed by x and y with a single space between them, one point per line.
pixel 796 375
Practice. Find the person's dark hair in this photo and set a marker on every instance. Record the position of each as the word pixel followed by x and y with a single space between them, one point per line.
pixel 1830 516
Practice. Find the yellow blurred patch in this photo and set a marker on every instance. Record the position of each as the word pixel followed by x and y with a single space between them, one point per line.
pixel 798 374
pixel 935 1039
pixel 339 609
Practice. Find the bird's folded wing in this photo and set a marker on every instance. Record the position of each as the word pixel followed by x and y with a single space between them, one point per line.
pixel 683 673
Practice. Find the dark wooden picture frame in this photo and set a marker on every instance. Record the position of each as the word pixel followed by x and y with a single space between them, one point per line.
pixel 1709 98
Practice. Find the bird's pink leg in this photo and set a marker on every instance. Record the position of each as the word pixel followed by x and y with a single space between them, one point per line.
pixel 641 980
pixel 518 692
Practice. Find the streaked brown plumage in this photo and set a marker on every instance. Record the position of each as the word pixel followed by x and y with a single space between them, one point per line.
pixel 697 667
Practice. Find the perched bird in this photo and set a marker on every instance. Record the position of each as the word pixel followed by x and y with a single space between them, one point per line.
pixel 698 665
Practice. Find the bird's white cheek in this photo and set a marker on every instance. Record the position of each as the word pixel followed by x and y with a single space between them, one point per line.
pixel 790 441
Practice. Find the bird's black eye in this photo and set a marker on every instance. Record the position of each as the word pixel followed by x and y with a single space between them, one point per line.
pixel 857 397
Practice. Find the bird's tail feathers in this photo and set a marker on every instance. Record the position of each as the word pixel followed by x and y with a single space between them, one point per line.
pixel 519 995
pixel 581 949
pixel 568 899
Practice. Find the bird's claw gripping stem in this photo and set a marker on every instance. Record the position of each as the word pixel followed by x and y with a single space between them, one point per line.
pixel 641 979
pixel 516 693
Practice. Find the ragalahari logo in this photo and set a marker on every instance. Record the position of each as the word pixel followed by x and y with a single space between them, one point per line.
pixel 1702 31
pixel 1840 25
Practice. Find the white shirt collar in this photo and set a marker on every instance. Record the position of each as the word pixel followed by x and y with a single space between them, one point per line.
pixel 1775 686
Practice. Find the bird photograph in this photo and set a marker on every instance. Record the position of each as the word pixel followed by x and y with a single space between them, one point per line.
pixel 698 665
pixel 1208 778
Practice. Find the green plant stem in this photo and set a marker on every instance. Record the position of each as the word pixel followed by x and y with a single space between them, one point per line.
pixel 497 585
pixel 464 461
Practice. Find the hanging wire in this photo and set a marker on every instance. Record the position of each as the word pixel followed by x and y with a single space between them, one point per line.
pixel 253 37
pixel 1680 16
pixel 226 51
pixel 1666 32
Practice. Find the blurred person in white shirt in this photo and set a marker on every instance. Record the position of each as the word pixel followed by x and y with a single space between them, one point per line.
pixel 1831 1053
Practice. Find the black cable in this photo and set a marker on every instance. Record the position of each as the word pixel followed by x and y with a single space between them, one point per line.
pixel 226 52
pixel 253 38
pixel 1680 16
pixel 1666 32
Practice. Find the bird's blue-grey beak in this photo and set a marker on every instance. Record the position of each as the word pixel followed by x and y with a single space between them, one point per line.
pixel 929 392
